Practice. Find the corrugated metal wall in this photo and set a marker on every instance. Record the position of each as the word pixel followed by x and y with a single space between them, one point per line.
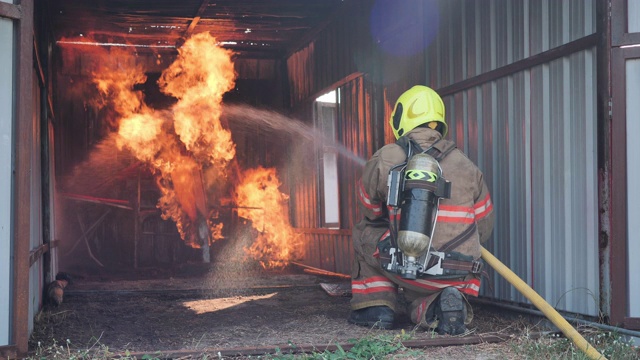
pixel 36 272
pixel 333 59
pixel 330 249
pixel 338 51
pixel 632 88
pixel 356 125
pixel 632 68
pixel 6 145
pixel 302 172
pixel 628 83
pixel 531 130
pixel 533 133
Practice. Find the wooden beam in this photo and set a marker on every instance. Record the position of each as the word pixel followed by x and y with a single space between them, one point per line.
pixel 124 204
pixel 23 144
pixel 196 18
pixel 316 271
pixel 37 253
pixel 42 78
pixel 10 11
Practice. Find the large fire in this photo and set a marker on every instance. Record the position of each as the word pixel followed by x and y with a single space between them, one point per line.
pixel 256 195
pixel 190 151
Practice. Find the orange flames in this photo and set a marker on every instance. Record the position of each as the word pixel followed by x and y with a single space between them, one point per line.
pixel 257 195
pixel 190 150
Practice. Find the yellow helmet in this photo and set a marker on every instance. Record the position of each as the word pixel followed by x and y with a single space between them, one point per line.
pixel 416 106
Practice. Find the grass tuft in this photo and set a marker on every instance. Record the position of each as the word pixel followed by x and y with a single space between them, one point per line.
pixel 611 345
pixel 371 347
pixel 64 350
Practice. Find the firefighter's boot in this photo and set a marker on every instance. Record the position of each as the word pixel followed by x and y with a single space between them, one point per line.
pixel 381 317
pixel 451 312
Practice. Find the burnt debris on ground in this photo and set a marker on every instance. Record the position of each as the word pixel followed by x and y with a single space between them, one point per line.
pixel 213 306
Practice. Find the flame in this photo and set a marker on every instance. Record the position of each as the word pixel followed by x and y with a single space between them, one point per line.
pixel 198 79
pixel 139 133
pixel 260 201
pixel 189 150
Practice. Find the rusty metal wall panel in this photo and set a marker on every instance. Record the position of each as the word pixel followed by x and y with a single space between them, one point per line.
pixel 263 69
pixel 311 250
pixel 355 126
pixel 343 254
pixel 299 66
pixel 335 53
pixel 328 245
pixel 304 195
pixel 331 250
pixel 355 133
pixel 302 175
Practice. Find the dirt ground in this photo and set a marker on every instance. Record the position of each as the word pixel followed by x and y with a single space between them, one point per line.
pixel 230 306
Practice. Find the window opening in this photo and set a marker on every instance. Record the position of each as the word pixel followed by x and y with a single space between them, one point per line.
pixel 325 119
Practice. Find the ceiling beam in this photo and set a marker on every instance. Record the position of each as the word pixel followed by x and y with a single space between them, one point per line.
pixel 196 18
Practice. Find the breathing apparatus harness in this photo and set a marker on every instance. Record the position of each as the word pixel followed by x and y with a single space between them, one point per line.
pixel 415 188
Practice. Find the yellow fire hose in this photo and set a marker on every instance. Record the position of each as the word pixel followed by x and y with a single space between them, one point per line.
pixel 542 305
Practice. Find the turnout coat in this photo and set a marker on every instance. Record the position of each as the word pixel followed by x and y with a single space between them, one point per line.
pixel 467 215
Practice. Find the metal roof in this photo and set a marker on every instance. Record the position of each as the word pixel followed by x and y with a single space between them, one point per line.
pixel 252 28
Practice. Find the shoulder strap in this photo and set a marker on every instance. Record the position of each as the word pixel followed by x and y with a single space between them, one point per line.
pixel 436 153
pixel 411 147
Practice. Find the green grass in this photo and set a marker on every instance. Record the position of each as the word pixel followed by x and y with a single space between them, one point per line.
pixel 554 347
pixel 611 345
pixel 371 347
pixel 64 351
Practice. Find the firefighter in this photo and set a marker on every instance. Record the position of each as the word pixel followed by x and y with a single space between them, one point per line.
pixel 463 222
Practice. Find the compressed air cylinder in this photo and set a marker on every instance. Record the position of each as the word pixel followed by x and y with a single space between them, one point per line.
pixel 418 205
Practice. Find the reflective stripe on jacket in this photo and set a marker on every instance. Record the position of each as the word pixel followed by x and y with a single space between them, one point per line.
pixel 470 200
